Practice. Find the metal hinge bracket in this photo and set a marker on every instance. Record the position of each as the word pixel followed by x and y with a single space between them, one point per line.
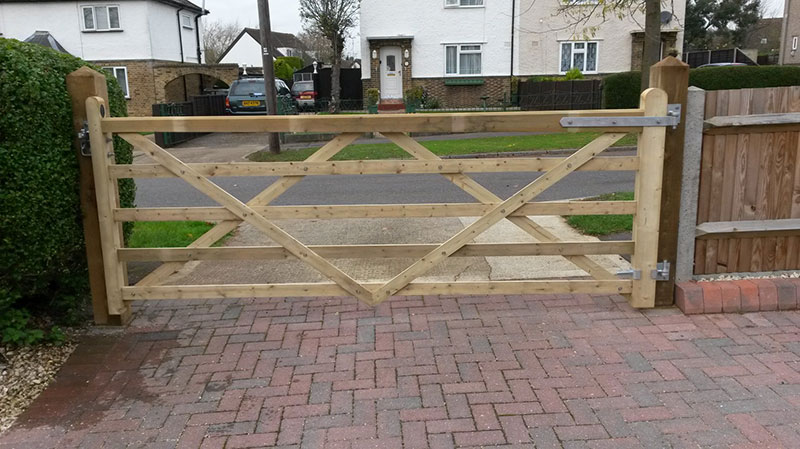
pixel 83 139
pixel 673 118
pixel 661 273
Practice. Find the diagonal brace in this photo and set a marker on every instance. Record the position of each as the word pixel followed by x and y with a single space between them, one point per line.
pixel 265 197
pixel 498 213
pixel 485 196
pixel 246 213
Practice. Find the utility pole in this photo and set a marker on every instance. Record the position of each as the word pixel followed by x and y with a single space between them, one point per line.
pixel 268 70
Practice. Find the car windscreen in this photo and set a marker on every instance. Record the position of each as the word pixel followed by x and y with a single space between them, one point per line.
pixel 247 88
pixel 302 86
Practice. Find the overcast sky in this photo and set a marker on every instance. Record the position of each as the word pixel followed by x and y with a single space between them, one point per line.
pixel 286 17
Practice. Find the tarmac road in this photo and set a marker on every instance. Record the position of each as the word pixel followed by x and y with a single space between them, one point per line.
pixel 379 189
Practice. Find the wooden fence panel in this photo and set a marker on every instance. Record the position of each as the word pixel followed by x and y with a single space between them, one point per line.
pixel 749 175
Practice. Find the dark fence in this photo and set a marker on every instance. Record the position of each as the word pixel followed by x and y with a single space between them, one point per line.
pixel 352 95
pixel 200 105
pixel 560 95
pixel 729 55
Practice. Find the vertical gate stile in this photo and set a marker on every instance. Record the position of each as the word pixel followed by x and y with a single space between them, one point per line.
pixel 648 199
pixel 102 148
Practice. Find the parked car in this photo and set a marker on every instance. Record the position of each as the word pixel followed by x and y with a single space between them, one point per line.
pixel 304 95
pixel 246 97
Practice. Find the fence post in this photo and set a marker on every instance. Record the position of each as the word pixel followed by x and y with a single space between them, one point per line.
pixel 672 76
pixel 82 84
pixel 648 197
pixel 692 154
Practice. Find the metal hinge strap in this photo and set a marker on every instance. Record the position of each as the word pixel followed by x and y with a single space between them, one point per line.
pixel 673 118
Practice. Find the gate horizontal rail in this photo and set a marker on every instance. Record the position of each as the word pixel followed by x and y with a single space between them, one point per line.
pixel 490 209
pixel 387 167
pixel 375 251
pixel 472 122
pixel 376 211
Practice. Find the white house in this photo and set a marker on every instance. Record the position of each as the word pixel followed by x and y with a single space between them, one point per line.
pixel 457 50
pixel 466 52
pixel 245 50
pixel 551 43
pixel 153 47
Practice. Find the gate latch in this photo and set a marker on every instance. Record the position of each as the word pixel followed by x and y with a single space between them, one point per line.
pixel 661 273
pixel 83 139
pixel 673 118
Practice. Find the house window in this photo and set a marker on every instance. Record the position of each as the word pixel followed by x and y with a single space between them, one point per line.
pixel 580 55
pixel 462 3
pixel 462 59
pixel 186 21
pixel 121 74
pixel 100 18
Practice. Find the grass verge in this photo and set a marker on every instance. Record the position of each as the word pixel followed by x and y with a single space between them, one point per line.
pixel 500 144
pixel 599 225
pixel 168 234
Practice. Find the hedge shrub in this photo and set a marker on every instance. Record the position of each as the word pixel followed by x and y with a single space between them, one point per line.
pixel 622 90
pixel 42 256
pixel 285 66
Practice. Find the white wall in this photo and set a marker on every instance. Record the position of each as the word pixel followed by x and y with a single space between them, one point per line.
pixel 433 25
pixel 246 52
pixel 164 31
pixel 149 30
pixel 541 30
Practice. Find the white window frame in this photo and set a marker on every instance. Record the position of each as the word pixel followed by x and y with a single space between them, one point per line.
pixel 459 52
pixel 92 8
pixel 460 4
pixel 186 21
pixel 113 71
pixel 584 51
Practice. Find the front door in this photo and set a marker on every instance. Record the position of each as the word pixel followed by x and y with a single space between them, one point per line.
pixel 391 73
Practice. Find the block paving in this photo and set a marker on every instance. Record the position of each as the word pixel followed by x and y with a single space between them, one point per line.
pixel 441 372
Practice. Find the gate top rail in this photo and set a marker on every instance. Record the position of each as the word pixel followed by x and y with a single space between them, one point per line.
pixel 529 121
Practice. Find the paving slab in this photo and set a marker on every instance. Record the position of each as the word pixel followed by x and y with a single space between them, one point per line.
pixel 434 371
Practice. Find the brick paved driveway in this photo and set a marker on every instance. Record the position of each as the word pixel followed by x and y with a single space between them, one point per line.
pixel 571 371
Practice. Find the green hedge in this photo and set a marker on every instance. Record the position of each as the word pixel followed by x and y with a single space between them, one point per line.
pixel 42 258
pixel 621 90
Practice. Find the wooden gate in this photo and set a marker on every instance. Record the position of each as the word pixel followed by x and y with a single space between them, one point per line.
pixel 491 209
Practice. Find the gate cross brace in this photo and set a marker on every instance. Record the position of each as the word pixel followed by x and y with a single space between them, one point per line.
pixel 499 212
pixel 486 196
pixel 268 195
pixel 246 213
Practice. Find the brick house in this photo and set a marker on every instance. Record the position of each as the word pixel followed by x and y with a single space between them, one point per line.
pixel 466 52
pixel 152 47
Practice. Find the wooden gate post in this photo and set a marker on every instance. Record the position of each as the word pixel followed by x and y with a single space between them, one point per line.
pixel 82 84
pixel 672 76
pixel 648 200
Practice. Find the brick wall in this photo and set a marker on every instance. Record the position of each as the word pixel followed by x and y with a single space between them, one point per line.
pixel 466 96
pixel 668 41
pixel 496 88
pixel 151 81
pixel 141 86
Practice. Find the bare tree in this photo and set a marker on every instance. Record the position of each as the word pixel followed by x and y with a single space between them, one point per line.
pixel 217 37
pixel 582 13
pixel 332 19
pixel 318 48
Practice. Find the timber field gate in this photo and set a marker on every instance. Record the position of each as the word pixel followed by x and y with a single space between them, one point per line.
pixel 648 121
